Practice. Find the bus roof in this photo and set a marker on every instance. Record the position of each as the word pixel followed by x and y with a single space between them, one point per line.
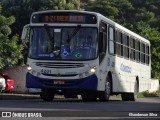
pixel 121 28
pixel 100 17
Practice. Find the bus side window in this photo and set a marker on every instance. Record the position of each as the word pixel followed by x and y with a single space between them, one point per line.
pixel 137 50
pixel 142 56
pixel 118 42
pixel 111 40
pixel 125 42
pixel 147 54
pixel 132 48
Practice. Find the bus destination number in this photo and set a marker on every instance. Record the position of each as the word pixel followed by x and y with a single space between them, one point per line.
pixel 44 71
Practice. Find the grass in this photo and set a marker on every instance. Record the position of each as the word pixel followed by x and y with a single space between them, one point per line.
pixel 142 94
pixel 147 94
pixel 15 96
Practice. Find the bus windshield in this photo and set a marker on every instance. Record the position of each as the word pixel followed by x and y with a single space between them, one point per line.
pixel 63 43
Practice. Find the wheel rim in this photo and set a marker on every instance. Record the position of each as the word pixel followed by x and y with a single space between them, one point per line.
pixel 135 90
pixel 107 88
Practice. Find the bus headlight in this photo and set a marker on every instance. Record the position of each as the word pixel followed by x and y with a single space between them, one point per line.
pixel 88 73
pixel 29 68
pixel 91 71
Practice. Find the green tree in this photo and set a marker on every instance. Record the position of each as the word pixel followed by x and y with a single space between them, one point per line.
pixel 22 9
pixel 113 9
pixel 154 36
pixel 140 16
pixel 10 52
pixel 104 7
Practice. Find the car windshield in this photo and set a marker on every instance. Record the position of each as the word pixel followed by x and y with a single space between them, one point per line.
pixel 63 43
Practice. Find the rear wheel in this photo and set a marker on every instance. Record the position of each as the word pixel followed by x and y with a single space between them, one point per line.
pixel 133 96
pixel 130 96
pixel 104 96
pixel 47 95
pixel 125 96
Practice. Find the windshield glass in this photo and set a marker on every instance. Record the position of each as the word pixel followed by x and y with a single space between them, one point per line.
pixel 63 43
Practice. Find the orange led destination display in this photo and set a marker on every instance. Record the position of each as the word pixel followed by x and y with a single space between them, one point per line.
pixel 48 18
pixel 64 17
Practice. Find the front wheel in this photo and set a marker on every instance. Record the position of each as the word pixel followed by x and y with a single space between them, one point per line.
pixel 47 95
pixel 89 96
pixel 70 96
pixel 104 96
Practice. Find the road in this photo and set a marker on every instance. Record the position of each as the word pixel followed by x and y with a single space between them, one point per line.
pixel 77 108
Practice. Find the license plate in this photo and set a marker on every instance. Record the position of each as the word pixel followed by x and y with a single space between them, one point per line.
pixel 58 82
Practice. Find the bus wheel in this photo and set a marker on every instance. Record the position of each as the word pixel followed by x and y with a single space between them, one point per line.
pixel 130 96
pixel 47 95
pixel 104 96
pixel 70 96
pixel 125 96
pixel 133 96
pixel 89 96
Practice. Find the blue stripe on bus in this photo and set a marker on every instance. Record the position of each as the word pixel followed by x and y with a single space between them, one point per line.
pixel 88 83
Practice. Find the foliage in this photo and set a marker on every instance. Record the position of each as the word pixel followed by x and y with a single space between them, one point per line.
pixel 140 16
pixel 154 36
pixel 22 9
pixel 148 94
pixel 10 52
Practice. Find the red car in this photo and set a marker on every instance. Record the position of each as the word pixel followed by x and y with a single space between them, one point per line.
pixel 9 83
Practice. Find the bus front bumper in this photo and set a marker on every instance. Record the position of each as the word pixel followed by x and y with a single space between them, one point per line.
pixel 88 83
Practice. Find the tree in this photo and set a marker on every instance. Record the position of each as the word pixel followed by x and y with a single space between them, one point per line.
pixel 10 52
pixel 154 36
pixel 140 16
pixel 104 7
pixel 22 9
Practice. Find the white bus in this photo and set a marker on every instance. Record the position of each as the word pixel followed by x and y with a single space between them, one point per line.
pixel 84 53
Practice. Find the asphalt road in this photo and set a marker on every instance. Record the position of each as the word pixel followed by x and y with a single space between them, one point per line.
pixel 77 108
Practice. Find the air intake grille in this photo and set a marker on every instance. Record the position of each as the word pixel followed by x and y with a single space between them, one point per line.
pixel 59 65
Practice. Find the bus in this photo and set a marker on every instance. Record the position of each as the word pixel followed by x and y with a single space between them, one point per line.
pixel 84 53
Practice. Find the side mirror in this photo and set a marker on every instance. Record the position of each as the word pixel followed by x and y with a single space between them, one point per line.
pixel 24 34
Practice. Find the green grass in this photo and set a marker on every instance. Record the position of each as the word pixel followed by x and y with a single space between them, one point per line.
pixel 14 96
pixel 142 94
pixel 147 94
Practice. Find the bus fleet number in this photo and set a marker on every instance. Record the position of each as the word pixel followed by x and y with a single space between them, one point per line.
pixel 46 71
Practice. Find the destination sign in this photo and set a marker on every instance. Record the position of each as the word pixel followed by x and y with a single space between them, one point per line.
pixel 64 17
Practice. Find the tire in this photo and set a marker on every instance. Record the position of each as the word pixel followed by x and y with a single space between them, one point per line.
pixel 47 95
pixel 131 96
pixel 70 96
pixel 104 96
pixel 125 96
pixel 89 97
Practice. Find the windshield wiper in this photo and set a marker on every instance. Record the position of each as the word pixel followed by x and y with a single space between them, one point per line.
pixel 51 38
pixel 74 32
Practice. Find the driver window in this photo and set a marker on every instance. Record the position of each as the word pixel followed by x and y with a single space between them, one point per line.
pixel 102 41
